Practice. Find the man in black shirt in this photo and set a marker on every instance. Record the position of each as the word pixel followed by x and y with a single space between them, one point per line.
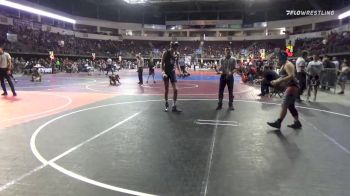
pixel 328 76
pixel 268 76
pixel 151 70
pixel 169 64
pixel 259 66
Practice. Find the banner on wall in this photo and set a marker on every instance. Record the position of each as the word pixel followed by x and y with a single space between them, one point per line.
pixel 11 37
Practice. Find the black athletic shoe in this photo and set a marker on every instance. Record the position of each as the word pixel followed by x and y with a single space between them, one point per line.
pixel 231 108
pixel 175 109
pixel 219 107
pixel 295 125
pixel 14 94
pixel 166 107
pixel 261 95
pixel 276 124
pixel 341 93
pixel 4 94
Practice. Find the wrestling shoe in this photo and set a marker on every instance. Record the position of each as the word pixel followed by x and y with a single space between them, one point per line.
pixel 295 125
pixel 175 109
pixel 276 124
pixel 166 107
pixel 219 107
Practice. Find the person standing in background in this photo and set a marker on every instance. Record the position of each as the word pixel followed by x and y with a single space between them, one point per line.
pixel 327 80
pixel 140 63
pixel 109 66
pixel 314 70
pixel 168 65
pixel 343 77
pixel 151 69
pixel 301 64
pixel 226 68
pixel 5 71
pixel 336 63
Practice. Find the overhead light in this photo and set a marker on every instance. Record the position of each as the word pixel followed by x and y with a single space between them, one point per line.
pixel 36 11
pixel 135 1
pixel 344 15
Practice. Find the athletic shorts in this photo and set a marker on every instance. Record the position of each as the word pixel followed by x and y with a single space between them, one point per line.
pixel 151 71
pixel 343 78
pixel 314 80
pixel 290 95
pixel 171 76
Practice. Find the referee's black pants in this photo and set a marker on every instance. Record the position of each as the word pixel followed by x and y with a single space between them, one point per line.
pixel 229 81
pixel 140 74
pixel 3 76
pixel 301 76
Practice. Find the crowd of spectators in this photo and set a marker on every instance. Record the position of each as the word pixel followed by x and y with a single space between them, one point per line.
pixel 338 42
pixel 335 42
pixel 38 41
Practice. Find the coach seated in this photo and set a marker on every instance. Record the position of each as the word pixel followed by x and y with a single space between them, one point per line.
pixel 268 75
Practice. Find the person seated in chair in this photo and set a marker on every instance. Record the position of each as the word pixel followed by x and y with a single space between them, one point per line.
pixel 113 79
pixel 36 76
pixel 268 75
pixel 182 65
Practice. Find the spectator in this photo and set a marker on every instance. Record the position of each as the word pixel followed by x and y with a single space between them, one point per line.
pixel 343 77
pixel 268 75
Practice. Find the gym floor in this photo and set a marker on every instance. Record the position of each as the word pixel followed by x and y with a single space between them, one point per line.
pixel 73 134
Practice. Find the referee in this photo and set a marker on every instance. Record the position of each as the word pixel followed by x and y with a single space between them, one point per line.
pixel 5 71
pixel 140 64
pixel 226 68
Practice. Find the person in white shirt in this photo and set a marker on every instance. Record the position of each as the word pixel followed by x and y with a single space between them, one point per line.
pixel 336 63
pixel 5 71
pixel 109 66
pixel 314 69
pixel 301 74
